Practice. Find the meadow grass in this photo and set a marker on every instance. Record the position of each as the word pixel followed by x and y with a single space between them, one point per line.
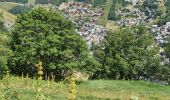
pixel 25 89
pixel 8 16
pixel 111 25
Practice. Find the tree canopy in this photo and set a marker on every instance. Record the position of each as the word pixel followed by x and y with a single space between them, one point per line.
pixel 43 35
pixel 128 54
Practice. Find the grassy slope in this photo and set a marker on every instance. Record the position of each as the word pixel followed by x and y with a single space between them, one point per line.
pixel 87 90
pixel 8 16
pixel 4 7
pixel 7 5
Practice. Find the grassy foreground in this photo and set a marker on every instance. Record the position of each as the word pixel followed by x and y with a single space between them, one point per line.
pixel 26 89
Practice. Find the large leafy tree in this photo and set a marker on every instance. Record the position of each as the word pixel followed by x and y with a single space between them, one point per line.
pixel 128 54
pixel 5 52
pixel 43 35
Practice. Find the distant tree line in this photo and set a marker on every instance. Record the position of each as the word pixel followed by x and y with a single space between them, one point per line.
pixel 19 9
pixel 18 1
pixel 151 8
pixel 112 14
pixel 55 2
pixel 95 3
pixel 166 18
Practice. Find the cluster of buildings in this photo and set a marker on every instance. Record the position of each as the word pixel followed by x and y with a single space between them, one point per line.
pixel 92 33
pixel 83 16
pixel 79 9
pixel 134 2
pixel 131 17
pixel 161 32
pixel 85 19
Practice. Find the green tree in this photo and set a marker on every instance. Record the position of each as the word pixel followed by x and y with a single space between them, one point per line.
pixel 42 35
pixel 112 14
pixel 5 52
pixel 151 8
pixel 167 53
pixel 128 54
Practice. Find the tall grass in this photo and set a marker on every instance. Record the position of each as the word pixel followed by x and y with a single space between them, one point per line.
pixel 25 89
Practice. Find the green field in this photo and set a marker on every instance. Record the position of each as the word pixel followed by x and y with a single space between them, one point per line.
pixel 25 89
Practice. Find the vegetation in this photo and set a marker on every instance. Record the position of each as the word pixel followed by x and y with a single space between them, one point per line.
pixel 5 52
pixel 103 19
pixel 25 89
pixel 112 14
pixel 42 35
pixel 19 9
pixel 165 18
pixel 151 8
pixel 42 1
pixel 167 64
pixel 18 1
pixel 128 54
pixel 46 37
pixel 8 16
pixel 7 5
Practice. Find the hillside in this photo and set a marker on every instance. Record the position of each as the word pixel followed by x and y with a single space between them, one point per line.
pixel 8 18
pixel 7 5
pixel 25 88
